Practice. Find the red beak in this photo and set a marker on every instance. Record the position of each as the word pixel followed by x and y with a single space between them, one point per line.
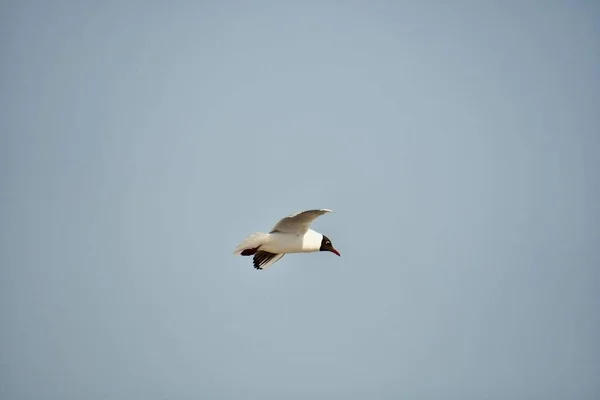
pixel 334 251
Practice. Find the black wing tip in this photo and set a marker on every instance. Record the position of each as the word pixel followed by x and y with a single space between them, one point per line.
pixel 261 258
pixel 249 252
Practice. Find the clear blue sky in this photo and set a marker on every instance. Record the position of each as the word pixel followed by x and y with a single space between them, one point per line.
pixel 457 142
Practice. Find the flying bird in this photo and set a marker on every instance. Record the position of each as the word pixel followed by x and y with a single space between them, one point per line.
pixel 291 234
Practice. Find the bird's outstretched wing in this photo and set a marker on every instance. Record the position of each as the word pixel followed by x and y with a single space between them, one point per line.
pixel 298 223
pixel 264 259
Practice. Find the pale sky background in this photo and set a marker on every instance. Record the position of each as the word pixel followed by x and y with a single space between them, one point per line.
pixel 457 142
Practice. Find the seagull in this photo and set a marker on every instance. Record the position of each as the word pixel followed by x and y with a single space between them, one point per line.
pixel 291 234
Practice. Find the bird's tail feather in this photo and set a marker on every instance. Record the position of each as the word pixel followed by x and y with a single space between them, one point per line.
pixel 253 241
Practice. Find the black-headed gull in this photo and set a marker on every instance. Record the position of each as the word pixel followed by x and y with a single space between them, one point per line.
pixel 290 235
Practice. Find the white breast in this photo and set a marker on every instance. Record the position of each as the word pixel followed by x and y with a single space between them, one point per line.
pixel 291 243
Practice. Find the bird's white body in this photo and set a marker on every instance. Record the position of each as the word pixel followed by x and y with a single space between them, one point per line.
pixel 290 235
pixel 278 242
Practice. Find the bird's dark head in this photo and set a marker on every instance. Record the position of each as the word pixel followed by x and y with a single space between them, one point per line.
pixel 327 246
